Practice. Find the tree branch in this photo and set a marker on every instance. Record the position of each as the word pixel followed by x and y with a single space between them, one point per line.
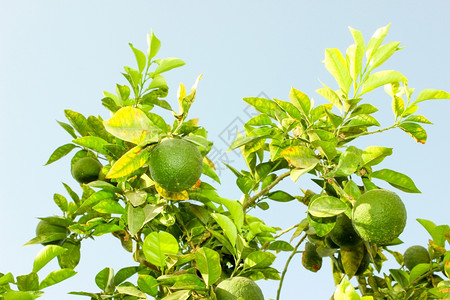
pixel 265 190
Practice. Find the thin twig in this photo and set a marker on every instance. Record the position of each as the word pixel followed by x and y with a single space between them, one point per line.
pixel 283 274
pixel 265 190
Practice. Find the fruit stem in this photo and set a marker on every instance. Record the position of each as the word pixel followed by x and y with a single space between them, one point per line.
pixel 265 190
pixel 283 274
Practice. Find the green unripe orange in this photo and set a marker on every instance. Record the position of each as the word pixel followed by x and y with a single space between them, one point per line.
pixel 86 170
pixel 233 288
pixel 379 216
pixel 343 233
pixel 415 255
pixel 175 164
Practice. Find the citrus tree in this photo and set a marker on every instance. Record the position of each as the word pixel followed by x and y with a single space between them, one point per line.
pixel 141 179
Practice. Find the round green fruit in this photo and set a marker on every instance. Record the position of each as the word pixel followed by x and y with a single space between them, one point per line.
pixel 415 255
pixel 86 170
pixel 343 233
pixel 233 288
pixel 175 164
pixel 379 216
pixel 54 234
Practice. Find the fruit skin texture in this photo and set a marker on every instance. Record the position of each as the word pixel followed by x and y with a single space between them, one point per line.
pixel 46 228
pixel 379 216
pixel 233 288
pixel 86 170
pixel 343 233
pixel 415 255
pixel 175 164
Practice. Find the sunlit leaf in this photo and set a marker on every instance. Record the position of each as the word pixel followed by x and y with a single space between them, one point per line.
pixel 300 100
pixel 337 66
pixel 326 206
pixel 397 180
pixel 208 263
pixel 227 226
pixel 266 106
pixel 46 254
pixel 132 125
pixel 60 152
pixel 157 245
pixel 376 40
pixel 129 162
pixel 153 45
pixel 381 78
pixel 373 155
pixel 416 131
pixel 92 142
pixel 140 58
pixel 382 54
pixel 300 156
pixel 78 121
pixel 167 64
pixel 430 94
pixel 56 277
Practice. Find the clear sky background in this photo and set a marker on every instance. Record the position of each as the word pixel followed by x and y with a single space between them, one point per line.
pixel 57 55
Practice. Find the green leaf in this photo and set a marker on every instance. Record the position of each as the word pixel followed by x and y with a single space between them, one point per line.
pixel 401 276
pixel 28 282
pixel 280 246
pixel 355 54
pixel 123 274
pixel 93 143
pixel 20 295
pixel 96 198
pixel 280 196
pixel 158 82
pixel 78 121
pixel 56 277
pixel 430 94
pixel 300 100
pixel 7 278
pixel 134 159
pixel 236 211
pixel 136 218
pixel 167 64
pixel 68 128
pixel 96 124
pixel 373 155
pixel 416 131
pixel 291 109
pixel 397 180
pixel 227 226
pixel 153 45
pixel 337 66
pixel 330 95
pixel 209 171
pixel 132 125
pixel 300 157
pixel 348 162
pixel 131 290
pixel 244 140
pixel 259 259
pixel 417 119
pixel 267 107
pixel 136 197
pixel 179 295
pixel 376 40
pixel 326 206
pixel 398 106
pixel 208 263
pixel 60 152
pixel 157 245
pixel 46 254
pixel 109 206
pixel 381 78
pixel 105 280
pixel 382 54
pixel 345 291
pixel 140 58
pixel 152 98
pixel 365 109
pixel 148 284
pixel 362 121
pixel 71 257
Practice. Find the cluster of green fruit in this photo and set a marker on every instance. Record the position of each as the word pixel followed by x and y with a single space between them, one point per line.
pixel 378 217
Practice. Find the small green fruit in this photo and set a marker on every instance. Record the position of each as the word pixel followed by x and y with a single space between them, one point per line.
pixel 86 170
pixel 415 255
pixel 235 287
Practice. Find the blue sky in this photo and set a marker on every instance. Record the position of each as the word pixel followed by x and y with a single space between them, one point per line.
pixel 57 55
